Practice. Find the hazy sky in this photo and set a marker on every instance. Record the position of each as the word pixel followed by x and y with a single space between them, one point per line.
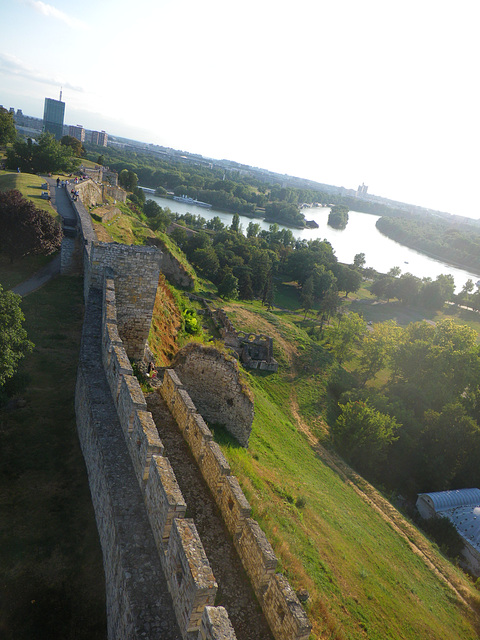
pixel 383 92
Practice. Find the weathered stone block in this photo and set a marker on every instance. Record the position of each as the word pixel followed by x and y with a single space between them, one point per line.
pixel 182 408
pixel 285 615
pixel 143 443
pixel 170 386
pixel 119 366
pixel 110 339
pixel 233 505
pixel 190 578
pixel 130 399
pixel 257 555
pixel 197 434
pixel 216 625
pixel 164 501
pixel 214 467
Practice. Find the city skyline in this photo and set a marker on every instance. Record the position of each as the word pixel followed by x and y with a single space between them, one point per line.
pixel 379 94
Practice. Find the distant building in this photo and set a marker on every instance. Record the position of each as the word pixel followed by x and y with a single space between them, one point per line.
pixel 462 508
pixel 77 132
pixel 53 115
pixel 362 191
pixel 99 138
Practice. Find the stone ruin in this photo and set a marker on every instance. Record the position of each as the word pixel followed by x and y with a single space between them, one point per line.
pixel 255 351
pixel 213 381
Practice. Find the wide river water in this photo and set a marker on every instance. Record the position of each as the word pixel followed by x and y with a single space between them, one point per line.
pixel 360 236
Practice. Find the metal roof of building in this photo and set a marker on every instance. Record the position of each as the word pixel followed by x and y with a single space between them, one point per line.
pixel 467 522
pixel 443 500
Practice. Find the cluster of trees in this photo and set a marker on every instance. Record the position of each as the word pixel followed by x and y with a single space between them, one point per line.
pixel 235 192
pixel 338 216
pixel 420 430
pixel 43 156
pixel 435 236
pixel 413 291
pixel 256 258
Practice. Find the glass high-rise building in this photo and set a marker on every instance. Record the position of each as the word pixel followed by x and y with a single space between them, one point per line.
pixel 53 115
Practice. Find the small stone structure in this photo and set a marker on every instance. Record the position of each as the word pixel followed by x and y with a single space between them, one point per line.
pixel 255 351
pixel 213 381
pixel 283 611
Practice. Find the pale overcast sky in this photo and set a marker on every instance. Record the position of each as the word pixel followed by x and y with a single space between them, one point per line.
pixel 383 92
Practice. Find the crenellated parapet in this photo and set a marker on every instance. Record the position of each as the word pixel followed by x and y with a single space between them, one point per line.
pixel 284 613
pixel 189 576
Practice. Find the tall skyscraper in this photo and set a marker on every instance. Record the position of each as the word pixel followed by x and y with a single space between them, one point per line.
pixel 53 115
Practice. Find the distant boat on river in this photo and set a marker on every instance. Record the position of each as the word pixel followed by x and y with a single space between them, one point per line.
pixel 188 200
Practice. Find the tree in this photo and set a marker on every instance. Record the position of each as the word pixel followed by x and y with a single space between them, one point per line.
pixel 14 344
pixel 359 261
pixel 128 179
pixel 253 229
pixel 306 297
pixel 407 288
pixel 46 156
pixel 348 279
pixel 74 144
pixel 362 434
pixel 8 133
pixel 24 229
pixel 235 226
pixel 346 335
pixel 450 441
pixel 228 287
pixel 377 345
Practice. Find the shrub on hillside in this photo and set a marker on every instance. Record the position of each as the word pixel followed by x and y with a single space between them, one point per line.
pixel 24 229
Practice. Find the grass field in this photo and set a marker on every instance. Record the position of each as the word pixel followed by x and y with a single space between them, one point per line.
pixel 369 572
pixel 29 185
pixel 52 584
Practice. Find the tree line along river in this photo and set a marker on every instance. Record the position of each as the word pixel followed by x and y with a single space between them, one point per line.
pixel 359 236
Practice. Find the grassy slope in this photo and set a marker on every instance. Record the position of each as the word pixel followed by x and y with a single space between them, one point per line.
pixel 52 583
pixel 29 185
pixel 363 577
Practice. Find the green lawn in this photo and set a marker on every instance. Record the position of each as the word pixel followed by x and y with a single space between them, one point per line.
pixel 29 185
pixel 52 583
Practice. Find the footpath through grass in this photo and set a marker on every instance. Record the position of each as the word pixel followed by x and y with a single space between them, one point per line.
pixel 364 578
pixel 52 582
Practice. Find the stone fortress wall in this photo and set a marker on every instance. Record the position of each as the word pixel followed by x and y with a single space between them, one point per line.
pixel 155 565
pixel 214 384
pixel 283 611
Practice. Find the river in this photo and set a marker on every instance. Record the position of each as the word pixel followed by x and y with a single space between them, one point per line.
pixel 360 236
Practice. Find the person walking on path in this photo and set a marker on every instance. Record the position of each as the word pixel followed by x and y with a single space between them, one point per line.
pixel 58 182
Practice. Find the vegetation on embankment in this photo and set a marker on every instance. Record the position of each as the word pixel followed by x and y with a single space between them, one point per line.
pixel 369 572
pixel 50 559
pixel 457 244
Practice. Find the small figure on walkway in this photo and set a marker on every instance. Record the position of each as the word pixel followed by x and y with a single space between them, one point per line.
pixel 58 182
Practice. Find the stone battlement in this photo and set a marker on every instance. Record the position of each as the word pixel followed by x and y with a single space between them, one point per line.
pixel 283 611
